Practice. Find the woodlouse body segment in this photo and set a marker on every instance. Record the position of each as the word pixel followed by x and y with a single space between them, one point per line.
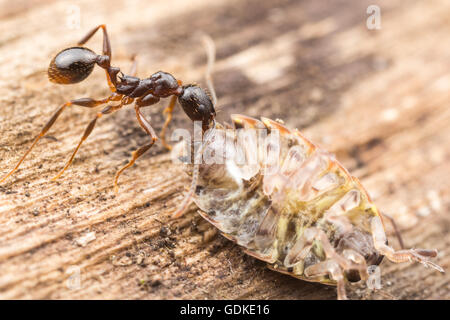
pixel 295 207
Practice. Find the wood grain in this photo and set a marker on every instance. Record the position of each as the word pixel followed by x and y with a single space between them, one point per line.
pixel 379 99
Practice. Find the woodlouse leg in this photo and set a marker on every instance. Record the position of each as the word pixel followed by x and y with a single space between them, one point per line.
pixel 83 102
pixel 349 260
pixel 144 123
pixel 419 255
pixel 265 236
pixel 357 258
pixel 335 265
pixel 168 111
pixel 301 248
pixel 88 131
pixel 396 229
pixel 106 50
pixel 336 214
pixel 329 267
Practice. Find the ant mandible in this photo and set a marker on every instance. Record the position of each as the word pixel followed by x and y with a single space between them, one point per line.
pixel 74 64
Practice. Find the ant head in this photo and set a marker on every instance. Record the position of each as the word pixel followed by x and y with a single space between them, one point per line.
pixel 197 105
pixel 71 65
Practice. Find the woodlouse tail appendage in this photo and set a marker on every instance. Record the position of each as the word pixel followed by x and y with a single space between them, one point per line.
pixel 293 205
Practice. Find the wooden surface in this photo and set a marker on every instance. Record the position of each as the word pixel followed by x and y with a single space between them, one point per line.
pixel 379 99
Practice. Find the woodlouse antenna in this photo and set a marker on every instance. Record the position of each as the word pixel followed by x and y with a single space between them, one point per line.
pixel 396 229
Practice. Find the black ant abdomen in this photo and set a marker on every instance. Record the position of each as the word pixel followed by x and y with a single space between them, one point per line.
pixel 72 65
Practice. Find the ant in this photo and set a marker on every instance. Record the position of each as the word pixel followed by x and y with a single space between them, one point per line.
pixel 74 64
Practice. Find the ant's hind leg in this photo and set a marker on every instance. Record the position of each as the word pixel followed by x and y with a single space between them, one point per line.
pixel 107 110
pixel 420 255
pixel 83 102
pixel 106 43
pixel 140 151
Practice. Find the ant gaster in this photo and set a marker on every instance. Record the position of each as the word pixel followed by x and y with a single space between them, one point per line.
pixel 73 65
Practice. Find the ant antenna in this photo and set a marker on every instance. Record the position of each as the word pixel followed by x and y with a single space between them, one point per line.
pixel 195 174
pixel 210 48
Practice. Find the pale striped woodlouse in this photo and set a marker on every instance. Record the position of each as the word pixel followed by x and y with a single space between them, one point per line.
pixel 303 214
pixel 308 218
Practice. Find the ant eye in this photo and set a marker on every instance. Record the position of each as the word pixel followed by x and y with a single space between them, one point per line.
pixel 71 65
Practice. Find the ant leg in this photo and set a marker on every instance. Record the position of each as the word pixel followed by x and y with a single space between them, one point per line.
pixel 168 111
pixel 107 110
pixel 418 255
pixel 106 43
pixel 140 151
pixel 83 102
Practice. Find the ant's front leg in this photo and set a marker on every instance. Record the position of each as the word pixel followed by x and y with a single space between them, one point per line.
pixel 145 101
pixel 169 112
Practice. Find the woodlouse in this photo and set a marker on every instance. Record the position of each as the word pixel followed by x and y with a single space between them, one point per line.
pixel 305 216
